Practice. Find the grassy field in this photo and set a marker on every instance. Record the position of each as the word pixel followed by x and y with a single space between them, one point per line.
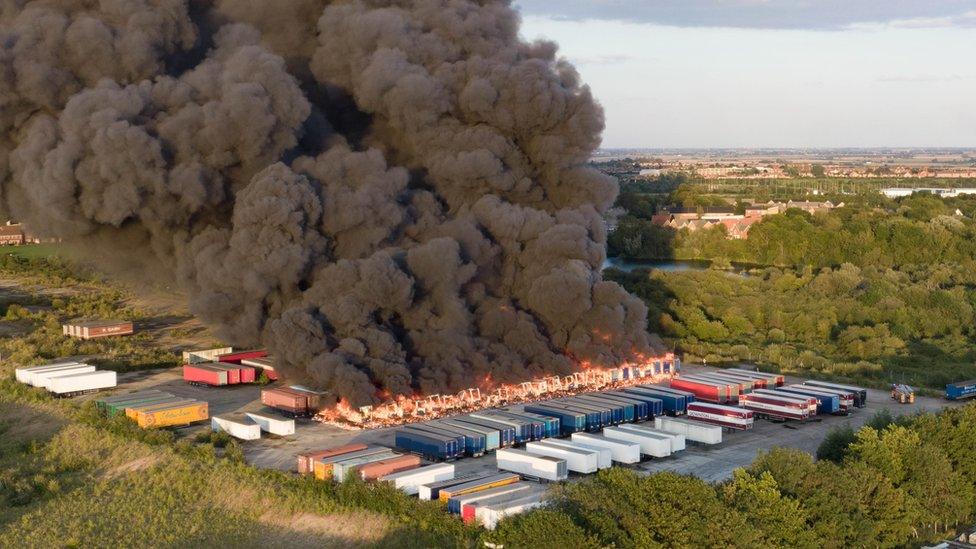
pixel 33 251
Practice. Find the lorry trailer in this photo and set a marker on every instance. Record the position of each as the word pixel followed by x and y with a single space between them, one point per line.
pixel 23 375
pixel 524 430
pixel 604 458
pixel 477 485
pixel 506 433
pixel 456 503
pixel 475 443
pixel 570 421
pixel 826 403
pixel 532 465
pixel 273 425
pixel 860 394
pixel 550 425
pixel 730 417
pixel 377 469
pixel 641 409
pixel 652 406
pixel 745 384
pixel 694 431
pixel 673 402
pixel 619 411
pixel 810 401
pixel 596 417
pixel 846 398
pixel 489 514
pixel 431 491
pixel 306 460
pixel 961 390
pixel 74 384
pixel 42 378
pixel 651 444
pixel 172 415
pixel 621 451
pixel 323 467
pixel 577 460
pixel 492 436
pixel 771 379
pixel 265 365
pixel 236 425
pixel 433 446
pixel 756 383
pixel 539 426
pixel 476 448
pixel 773 407
pixel 409 481
pixel 342 469
pixel 704 390
pixel 469 505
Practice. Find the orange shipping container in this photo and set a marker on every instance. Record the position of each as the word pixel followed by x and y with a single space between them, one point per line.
pixel 132 413
pixel 179 415
pixel 306 461
pixel 375 470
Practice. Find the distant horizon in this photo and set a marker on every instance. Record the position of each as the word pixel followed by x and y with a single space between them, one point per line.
pixel 789 74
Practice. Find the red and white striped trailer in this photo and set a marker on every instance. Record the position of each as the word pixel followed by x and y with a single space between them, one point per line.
pixel 775 407
pixel 812 404
pixel 847 398
pixel 731 417
pixel 709 391
pixel 771 379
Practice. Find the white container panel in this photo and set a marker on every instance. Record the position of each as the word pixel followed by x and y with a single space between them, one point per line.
pixel 273 425
pixel 577 461
pixel 409 482
pixel 654 446
pixel 88 381
pixel 621 451
pixel 237 427
pixel 692 430
pixel 604 459
pixel 43 379
pixel 526 463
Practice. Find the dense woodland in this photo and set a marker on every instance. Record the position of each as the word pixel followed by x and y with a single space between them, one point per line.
pixel 878 290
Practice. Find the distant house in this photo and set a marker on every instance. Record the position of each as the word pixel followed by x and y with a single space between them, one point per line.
pixel 811 207
pixel 12 234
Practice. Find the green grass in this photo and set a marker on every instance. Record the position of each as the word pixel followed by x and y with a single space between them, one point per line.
pixel 34 251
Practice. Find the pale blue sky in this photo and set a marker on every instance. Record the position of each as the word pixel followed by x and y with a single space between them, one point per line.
pixel 772 73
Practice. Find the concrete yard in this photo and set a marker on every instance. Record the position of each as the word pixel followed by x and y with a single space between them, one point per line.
pixel 738 449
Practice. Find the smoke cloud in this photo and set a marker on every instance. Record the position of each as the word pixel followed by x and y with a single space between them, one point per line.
pixel 393 196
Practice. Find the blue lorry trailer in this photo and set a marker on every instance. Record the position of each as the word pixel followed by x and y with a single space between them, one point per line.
pixel 506 432
pixel 961 390
pixel 570 421
pixel 429 445
pixel 826 403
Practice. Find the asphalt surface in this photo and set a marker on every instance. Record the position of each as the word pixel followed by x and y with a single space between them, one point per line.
pixel 712 463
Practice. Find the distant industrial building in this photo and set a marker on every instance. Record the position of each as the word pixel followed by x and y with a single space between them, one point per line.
pixel 898 192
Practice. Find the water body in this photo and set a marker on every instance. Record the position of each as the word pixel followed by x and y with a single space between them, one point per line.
pixel 669 265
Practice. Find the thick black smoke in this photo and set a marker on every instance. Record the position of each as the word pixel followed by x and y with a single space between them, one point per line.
pixel 391 195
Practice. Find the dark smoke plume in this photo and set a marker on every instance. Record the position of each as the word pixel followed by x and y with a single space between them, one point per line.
pixel 391 195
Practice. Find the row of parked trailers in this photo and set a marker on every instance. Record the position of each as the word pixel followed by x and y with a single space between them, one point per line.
pixel 67 379
pixel 154 408
pixel 226 368
pixel 488 430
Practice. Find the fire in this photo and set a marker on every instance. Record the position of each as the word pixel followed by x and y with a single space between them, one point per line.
pixel 403 409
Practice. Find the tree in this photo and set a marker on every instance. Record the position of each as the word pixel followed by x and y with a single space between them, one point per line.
pixel 817 170
pixel 540 528
pixel 834 446
pixel 781 521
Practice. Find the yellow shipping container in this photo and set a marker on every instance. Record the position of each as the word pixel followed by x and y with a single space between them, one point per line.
pixel 133 413
pixel 180 415
pixel 448 494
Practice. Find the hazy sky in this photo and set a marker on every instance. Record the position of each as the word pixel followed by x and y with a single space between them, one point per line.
pixel 772 73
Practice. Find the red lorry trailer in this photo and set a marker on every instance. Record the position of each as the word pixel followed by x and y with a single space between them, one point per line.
pixel 703 390
pixel 731 417
pixel 294 401
pixel 775 407
pixel 217 374
pixel 742 385
pixel 709 390
pixel 812 403
pixel 238 356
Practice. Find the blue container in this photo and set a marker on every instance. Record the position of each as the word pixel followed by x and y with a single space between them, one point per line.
pixel 492 436
pixel 523 429
pixel 551 425
pixel 623 412
pixel 642 410
pixel 596 418
pixel 429 445
pixel 826 403
pixel 963 389
pixel 654 405
pixel 673 403
pixel 536 429
pixel 475 444
pixel 506 433
pixel 570 421
pixel 540 425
